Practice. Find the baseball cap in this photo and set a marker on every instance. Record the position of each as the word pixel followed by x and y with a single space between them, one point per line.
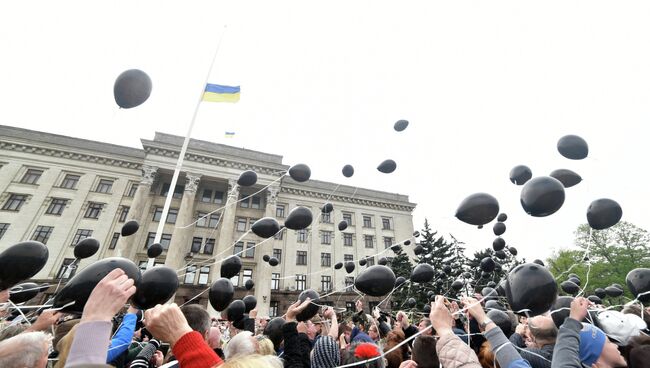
pixel 592 341
pixel 619 326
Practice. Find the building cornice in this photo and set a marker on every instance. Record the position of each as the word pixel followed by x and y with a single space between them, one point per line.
pixel 408 207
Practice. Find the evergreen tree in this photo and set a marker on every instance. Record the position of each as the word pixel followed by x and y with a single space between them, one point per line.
pixel 401 266
pixel 499 273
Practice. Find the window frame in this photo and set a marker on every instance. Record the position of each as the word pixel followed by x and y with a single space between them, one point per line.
pixel 301 258
pixel 15 202
pixel 80 235
pixel 66 180
pixel 4 227
pixel 278 254
pixel 114 239
pixel 367 224
pixel 326 259
pixel 94 208
pixel 31 176
pixel 65 267
pixel 326 237
pixel 326 282
pixel 275 281
pixel 104 186
pixel 56 206
pixel 301 282
pixel 124 213
pixel 369 241
pixel 42 233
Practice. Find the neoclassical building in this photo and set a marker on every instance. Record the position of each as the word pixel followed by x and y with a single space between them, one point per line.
pixel 59 190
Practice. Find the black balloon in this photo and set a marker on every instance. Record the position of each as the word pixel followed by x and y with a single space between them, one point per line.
pixel 418 249
pixel 613 291
pixel 618 286
pixel 416 234
pixel 427 309
pixel 230 266
pixel 407 242
pixel 327 208
pixel 273 330
pixel 249 284
pixel 603 213
pixel 520 174
pixel 447 269
pixel 489 293
pixel 273 261
pixel 387 166
pixel 573 147
pixel 300 172
pixel 400 125
pixel 24 292
pixel 250 302
pixel 530 287
pixel 247 178
pixel 154 250
pixel 539 262
pixel 492 284
pixel 513 251
pixel 561 310
pixel 410 303
pixel 235 311
pixel 500 254
pixel 567 177
pixel 638 281
pixel 478 209
pixel 266 258
pixel 312 308
pixel 86 248
pixel 130 227
pixel 396 248
pixel 362 262
pixel 343 225
pixel 502 217
pixel 457 285
pixel 382 261
pixel 542 196
pixel 375 281
pixel 78 289
pixel 487 264
pixel 494 305
pixel 132 88
pixel 422 273
pixel 399 281
pixel 265 227
pixel 497 267
pixel 21 261
pixel 499 228
pixel 595 299
pixel 221 293
pixel 338 266
pixel 498 244
pixel 570 287
pixel 299 218
pixel 600 292
pixel 348 171
pixel 480 227
pixel 574 280
pixel 157 285
pixel 349 267
pixel 573 275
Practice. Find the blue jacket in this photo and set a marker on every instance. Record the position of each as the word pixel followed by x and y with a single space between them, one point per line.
pixel 122 338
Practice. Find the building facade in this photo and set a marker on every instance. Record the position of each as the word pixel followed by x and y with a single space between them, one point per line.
pixel 59 190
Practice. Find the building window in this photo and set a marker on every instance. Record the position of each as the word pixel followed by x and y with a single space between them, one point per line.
pixel 347 239
pixel 14 202
pixel 178 190
pixel 207 196
pixel 349 281
pixel 238 249
pixel 250 250
pixel 388 241
pixel 80 235
pixel 326 283
pixel 172 214
pixel 235 280
pixel 196 244
pixel 70 181
pixel 385 223
pixel 209 246
pixel 247 275
pixel 190 273
pixel 204 275
pixel 369 241
pixel 104 186
pixel 243 201
pixel 347 217
pixel 279 211
pixel 56 206
pixel 256 202
pixel 42 233
pixel 273 309
pixel 301 282
pixel 279 235
pixel 205 220
pixel 326 218
pixel 212 196
pixel 165 240
pixel 348 257
pixel 3 229
pixel 132 189
pixel 67 269
pixel 275 281
pixel 124 213
pixel 370 261
pixel 302 236
pixel 277 253
pixel 326 259
pixel 349 307
pixel 94 210
pixel 218 197
pixel 31 176
pixel 241 224
pixel 367 221
pixel 326 237
pixel 114 239
pixel 301 258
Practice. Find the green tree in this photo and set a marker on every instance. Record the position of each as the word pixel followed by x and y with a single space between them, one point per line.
pixel 401 266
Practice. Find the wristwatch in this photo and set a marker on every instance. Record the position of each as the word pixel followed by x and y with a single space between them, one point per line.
pixel 485 322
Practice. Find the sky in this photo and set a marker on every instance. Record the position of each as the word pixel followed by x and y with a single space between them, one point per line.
pixel 485 86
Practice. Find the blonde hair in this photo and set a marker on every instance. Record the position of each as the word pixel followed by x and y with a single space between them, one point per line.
pixel 63 347
pixel 265 345
pixel 253 361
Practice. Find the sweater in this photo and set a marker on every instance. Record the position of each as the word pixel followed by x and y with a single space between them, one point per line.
pixel 122 339
pixel 530 354
pixel 505 352
pixel 296 347
pixel 192 351
pixel 567 346
pixel 90 343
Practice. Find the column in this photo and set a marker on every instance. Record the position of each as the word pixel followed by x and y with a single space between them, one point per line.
pixel 180 244
pixel 125 245
pixel 263 270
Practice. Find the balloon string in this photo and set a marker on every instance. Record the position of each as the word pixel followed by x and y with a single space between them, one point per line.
pixel 19 289
pixel 196 296
pixel 591 240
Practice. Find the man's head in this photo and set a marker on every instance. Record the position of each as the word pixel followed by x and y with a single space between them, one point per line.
pixel 424 352
pixel 542 330
pixel 214 340
pixel 373 332
pixel 25 350
pixel 596 350
pixel 198 319
pixel 424 323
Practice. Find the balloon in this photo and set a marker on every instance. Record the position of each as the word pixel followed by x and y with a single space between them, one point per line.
pixel 489 293
pixel 400 125
pixel 24 292
pixel 529 286
pixel 230 266
pixel 498 244
pixel 349 267
pixel 396 248
pixel 600 292
pixel 422 273
pixel 399 281
pixel 418 249
pixel 86 248
pixel 502 217
pixel 249 284
pixel 520 174
pixel 327 208
pixel 240 324
pixel 447 269
pixel 250 302
pixel 338 266
pixel 457 285
pixel 638 281
pixel 574 280
pixel 573 147
pixel 568 178
pixel 539 262
pixel 274 261
pixel 410 303
pixel 348 171
pixel 500 254
pixel 130 227
pixel 617 286
pixel 299 218
pixel 542 196
pixel 375 281
pixel 266 258
pixel 78 289
pixel 247 178
pixel 300 172
pixel 573 275
pixel 407 242
pixel 154 250
pixel 603 213
pixel 486 275
pixel 499 228
pixel 343 225
pixel 273 330
pixel 265 227
pixel 480 227
pixel 487 264
pixel 561 310
pixel 221 293
pixel 312 308
pixel 387 166
pixel 21 261
pixel 416 234
pixel 236 310
pixel 132 88
pixel 467 275
pixel 494 305
pixel 492 284
pixel 427 309
pixel 362 262
pixel 502 320
pixel 513 251
pixel 595 299
pixel 570 287
pixel 497 267
pixel 382 261
pixel 478 209
pixel 157 285
pixel 613 291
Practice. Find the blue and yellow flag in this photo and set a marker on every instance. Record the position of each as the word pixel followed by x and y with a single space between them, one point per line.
pixel 219 93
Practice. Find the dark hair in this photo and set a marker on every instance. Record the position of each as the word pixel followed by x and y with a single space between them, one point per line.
pixel 424 352
pixel 197 317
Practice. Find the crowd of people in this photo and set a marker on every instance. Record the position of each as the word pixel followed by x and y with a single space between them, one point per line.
pixel 455 334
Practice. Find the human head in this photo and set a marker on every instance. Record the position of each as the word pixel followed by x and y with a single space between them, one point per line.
pixel 214 340
pixel 312 329
pixel 542 330
pixel 424 352
pixel 422 326
pixel 596 348
pixel 241 344
pixel 25 350
pixel 253 361
pixel 198 319
pixel 325 353
pixel 360 352
pixel 264 345
pixel 486 356
pixel 11 331
pixel 373 332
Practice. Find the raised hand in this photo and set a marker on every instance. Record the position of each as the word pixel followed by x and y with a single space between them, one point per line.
pixel 108 297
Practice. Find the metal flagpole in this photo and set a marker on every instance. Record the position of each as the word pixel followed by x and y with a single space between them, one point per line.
pixel 181 156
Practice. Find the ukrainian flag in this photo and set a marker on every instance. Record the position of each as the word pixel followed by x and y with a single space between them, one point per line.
pixel 219 93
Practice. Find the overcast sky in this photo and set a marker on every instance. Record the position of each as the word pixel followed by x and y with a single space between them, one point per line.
pixel 485 86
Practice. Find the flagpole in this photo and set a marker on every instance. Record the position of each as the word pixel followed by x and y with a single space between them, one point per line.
pixel 181 156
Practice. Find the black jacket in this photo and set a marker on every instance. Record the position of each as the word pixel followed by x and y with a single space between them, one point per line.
pixel 296 347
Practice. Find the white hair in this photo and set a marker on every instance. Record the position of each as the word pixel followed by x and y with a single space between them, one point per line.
pixel 24 350
pixel 241 344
